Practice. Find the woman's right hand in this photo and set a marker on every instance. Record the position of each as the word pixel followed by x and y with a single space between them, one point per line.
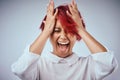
pixel 50 19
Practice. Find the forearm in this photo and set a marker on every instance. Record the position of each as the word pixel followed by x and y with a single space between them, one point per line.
pixel 38 45
pixel 93 45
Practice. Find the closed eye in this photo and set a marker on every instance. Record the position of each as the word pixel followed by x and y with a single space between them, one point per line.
pixel 57 29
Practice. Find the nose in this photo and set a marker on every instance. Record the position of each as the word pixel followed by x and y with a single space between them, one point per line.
pixel 63 35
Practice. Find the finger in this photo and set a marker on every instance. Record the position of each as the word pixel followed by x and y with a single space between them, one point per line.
pixel 74 2
pixel 48 6
pixel 68 14
pixel 44 22
pixel 74 5
pixel 51 7
pixel 56 13
pixel 70 8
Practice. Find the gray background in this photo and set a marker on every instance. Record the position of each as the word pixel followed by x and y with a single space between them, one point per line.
pixel 20 20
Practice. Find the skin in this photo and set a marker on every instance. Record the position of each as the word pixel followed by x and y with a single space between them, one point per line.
pixel 37 46
pixel 59 35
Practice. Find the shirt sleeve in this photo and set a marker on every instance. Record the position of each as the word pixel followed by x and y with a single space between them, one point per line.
pixel 26 66
pixel 104 64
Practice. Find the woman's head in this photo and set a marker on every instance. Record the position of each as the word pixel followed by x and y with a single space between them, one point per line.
pixel 68 24
pixel 64 34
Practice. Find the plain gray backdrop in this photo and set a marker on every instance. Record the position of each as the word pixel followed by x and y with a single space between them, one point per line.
pixel 20 21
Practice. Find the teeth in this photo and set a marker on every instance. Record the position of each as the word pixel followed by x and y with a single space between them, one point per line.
pixel 64 42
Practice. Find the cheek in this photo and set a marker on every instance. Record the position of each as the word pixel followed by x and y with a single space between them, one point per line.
pixel 72 39
pixel 73 42
pixel 53 38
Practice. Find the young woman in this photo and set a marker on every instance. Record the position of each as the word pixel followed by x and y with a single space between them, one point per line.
pixel 64 26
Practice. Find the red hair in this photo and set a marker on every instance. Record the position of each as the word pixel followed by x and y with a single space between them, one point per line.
pixel 68 23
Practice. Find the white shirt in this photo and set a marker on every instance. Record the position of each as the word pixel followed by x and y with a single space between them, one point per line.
pixel 31 66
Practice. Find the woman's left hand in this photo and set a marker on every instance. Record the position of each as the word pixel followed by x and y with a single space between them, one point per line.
pixel 75 15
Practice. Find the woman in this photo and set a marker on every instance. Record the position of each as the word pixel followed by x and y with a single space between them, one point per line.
pixel 64 25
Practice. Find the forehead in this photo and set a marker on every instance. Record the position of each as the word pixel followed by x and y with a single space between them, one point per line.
pixel 58 24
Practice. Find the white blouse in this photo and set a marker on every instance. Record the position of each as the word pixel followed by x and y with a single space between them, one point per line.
pixel 31 66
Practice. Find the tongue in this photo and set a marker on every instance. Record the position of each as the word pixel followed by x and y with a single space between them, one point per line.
pixel 62 48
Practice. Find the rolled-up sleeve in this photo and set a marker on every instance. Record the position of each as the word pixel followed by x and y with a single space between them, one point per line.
pixel 26 66
pixel 104 64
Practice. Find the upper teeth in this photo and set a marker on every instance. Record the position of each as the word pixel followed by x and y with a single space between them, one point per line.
pixel 64 42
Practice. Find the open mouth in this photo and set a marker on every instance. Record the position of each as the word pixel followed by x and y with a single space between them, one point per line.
pixel 63 43
pixel 63 46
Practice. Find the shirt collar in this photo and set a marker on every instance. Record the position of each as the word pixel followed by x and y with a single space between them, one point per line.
pixel 70 60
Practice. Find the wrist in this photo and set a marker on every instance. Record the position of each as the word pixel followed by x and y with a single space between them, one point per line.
pixel 81 31
pixel 45 33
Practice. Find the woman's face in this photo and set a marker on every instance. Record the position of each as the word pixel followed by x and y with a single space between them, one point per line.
pixel 62 42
